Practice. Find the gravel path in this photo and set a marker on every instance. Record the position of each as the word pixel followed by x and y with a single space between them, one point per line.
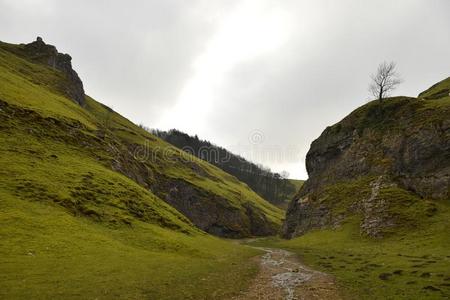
pixel 282 276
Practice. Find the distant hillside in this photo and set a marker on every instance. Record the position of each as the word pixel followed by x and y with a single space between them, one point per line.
pixel 298 183
pixel 271 186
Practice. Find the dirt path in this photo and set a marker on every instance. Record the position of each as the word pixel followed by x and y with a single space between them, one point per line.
pixel 282 276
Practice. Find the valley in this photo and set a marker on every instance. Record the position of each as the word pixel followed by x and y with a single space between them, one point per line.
pixel 93 206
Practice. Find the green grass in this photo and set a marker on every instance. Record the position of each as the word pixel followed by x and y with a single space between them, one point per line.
pixel 438 90
pixel 72 228
pixel 412 264
pixel 37 169
pixel 397 114
pixel 47 253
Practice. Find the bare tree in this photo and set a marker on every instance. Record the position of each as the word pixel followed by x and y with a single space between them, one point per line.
pixel 384 81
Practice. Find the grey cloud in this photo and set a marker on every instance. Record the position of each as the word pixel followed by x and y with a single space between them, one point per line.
pixel 292 95
pixel 137 56
pixel 133 55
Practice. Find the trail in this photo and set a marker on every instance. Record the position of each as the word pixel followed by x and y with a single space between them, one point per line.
pixel 283 276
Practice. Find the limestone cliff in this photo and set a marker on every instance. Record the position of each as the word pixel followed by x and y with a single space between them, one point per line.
pixel 384 163
pixel 70 84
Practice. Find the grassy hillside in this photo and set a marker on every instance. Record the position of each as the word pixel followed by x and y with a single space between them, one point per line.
pixel 166 163
pixel 437 91
pixel 82 217
pixel 298 183
pixel 48 253
pixel 33 91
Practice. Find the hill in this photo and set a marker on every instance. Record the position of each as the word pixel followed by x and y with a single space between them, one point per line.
pixel 36 95
pixel 94 206
pixel 273 187
pixel 375 210
pixel 399 147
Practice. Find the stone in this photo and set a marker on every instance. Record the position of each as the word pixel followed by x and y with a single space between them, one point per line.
pixel 40 52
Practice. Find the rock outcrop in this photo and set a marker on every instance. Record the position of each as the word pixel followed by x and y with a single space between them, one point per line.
pixel 375 158
pixel 42 53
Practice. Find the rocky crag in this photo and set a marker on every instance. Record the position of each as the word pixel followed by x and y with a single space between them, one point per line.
pixel 385 164
pixel 39 52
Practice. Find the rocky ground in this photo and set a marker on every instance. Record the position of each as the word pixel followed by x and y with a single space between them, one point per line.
pixel 283 276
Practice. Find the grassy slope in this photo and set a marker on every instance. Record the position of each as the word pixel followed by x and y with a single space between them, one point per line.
pixel 47 253
pixel 73 228
pixel 298 183
pixel 438 90
pixel 211 178
pixel 413 260
pixel 412 264
pixel 36 87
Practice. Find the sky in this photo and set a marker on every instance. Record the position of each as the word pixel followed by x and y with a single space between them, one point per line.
pixel 261 78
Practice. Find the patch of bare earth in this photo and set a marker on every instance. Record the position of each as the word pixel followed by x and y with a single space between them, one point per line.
pixel 283 276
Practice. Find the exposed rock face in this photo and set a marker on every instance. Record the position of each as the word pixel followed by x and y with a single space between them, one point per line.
pixel 39 51
pixel 401 145
pixel 214 214
pixel 208 211
pixel 375 211
pixel 416 154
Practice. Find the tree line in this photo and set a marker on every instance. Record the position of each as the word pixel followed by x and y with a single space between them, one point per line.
pixel 274 187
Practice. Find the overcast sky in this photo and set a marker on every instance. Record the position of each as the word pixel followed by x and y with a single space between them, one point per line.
pixel 261 78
